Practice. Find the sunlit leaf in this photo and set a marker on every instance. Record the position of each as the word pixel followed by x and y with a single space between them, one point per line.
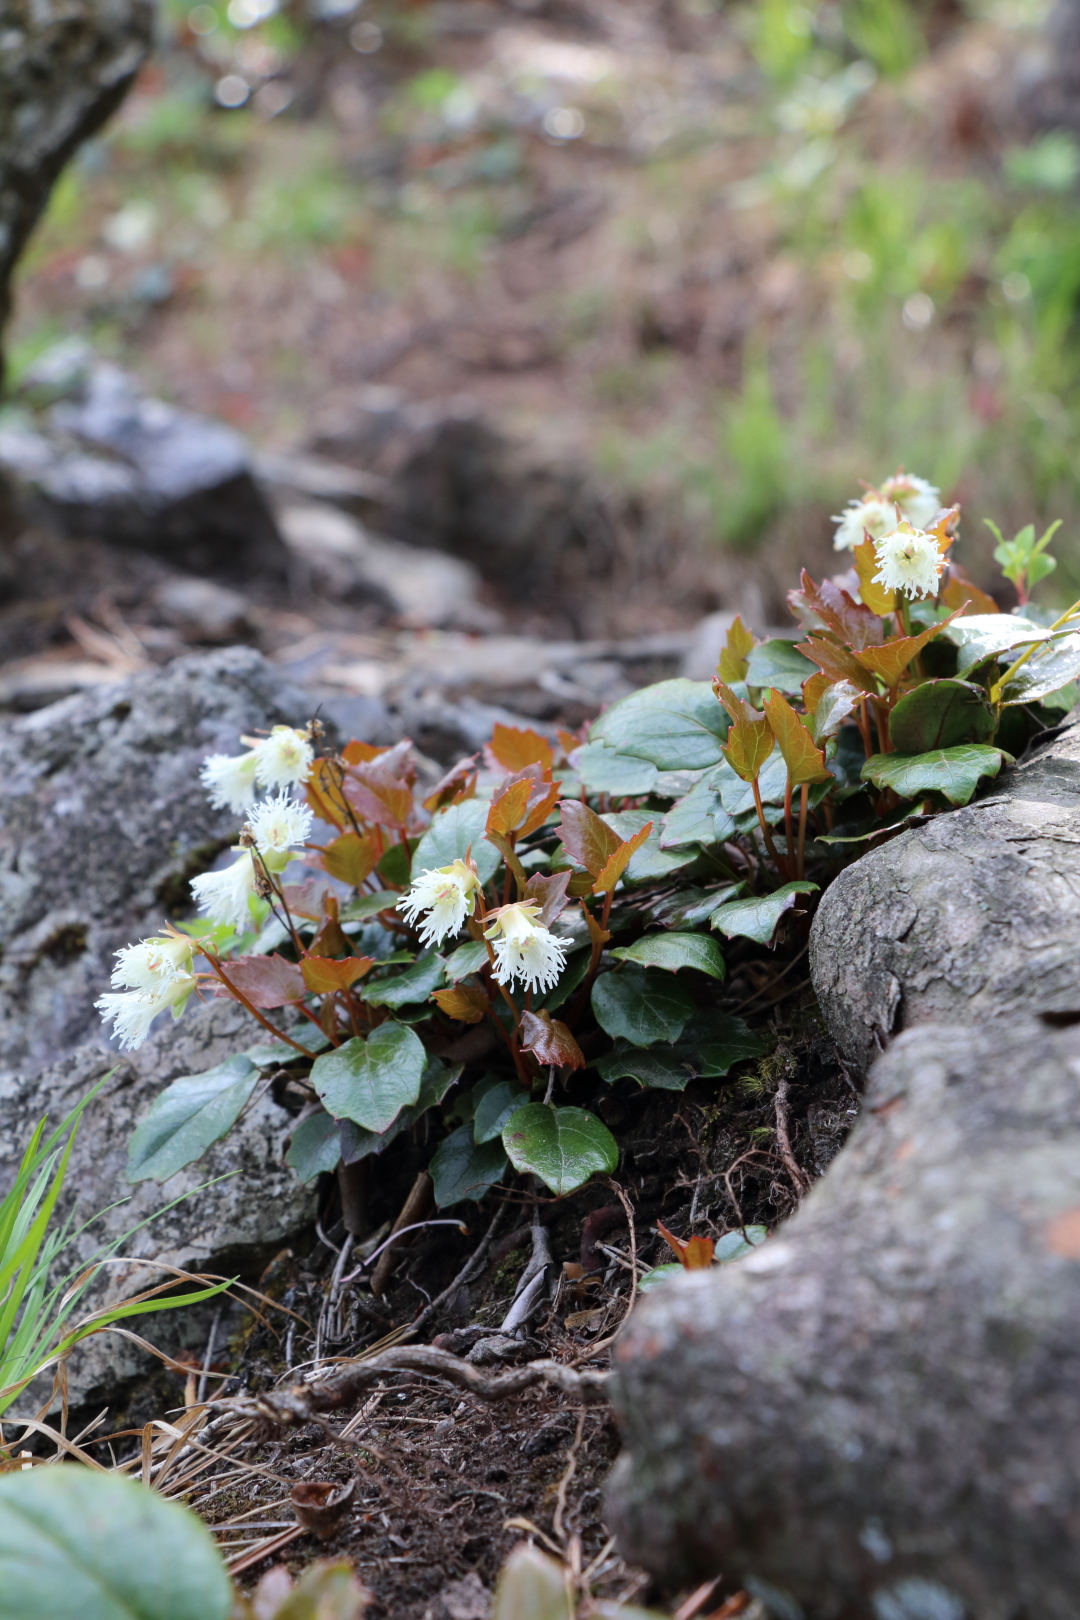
pixel 465 1002
pixel 939 714
pixel 757 916
pixel 371 1080
pixel 620 776
pixel 586 838
pixel 187 1116
pixel 805 761
pixel 738 645
pixel 617 862
pixel 650 861
pixel 551 894
pixel 697 818
pixel 674 951
pixel 1045 672
pixel 675 725
pixel 695 1254
pixel 981 636
pixel 953 772
pixel 74 1541
pixel 323 975
pixel 892 659
pixel 876 597
pixel 351 858
pixel 852 622
pixel 513 748
pixel 563 1146
pixel 959 589
pixel 641 1005
pixel 834 704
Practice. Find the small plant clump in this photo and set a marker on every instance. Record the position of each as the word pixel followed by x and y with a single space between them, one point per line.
pixel 558 905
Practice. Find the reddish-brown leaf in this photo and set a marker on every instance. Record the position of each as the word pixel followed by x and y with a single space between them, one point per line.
pixel 550 1041
pixel 696 1254
pixel 586 838
pixel 324 974
pixel 852 621
pixel 465 1002
pixel 737 707
pixel 514 747
pixel 540 807
pixel 891 660
pixel 961 592
pixel 550 893
pixel 387 801
pixel 306 899
pixel 458 783
pixel 509 807
pixel 324 794
pixel 331 940
pixel 616 864
pixel 265 981
pixel 805 761
pixel 813 689
pixel 749 744
pixel 838 663
pixel 358 753
pixel 351 858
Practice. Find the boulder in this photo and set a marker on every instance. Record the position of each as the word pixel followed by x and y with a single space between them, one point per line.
pixel 63 71
pixel 102 821
pixel 98 457
pixel 968 917
pixel 229 1225
pixel 873 1416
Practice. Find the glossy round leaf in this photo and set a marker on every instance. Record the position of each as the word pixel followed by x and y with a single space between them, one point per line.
pixel 676 725
pixel 953 772
pixel 940 714
pixel 674 951
pixel 371 1080
pixel 452 832
pixel 463 1168
pixel 641 1005
pixel 563 1146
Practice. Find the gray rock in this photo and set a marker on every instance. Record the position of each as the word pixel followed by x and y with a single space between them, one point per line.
pixel 106 461
pixel 63 71
pixel 235 1224
pixel 203 610
pixel 873 1417
pixel 102 821
pixel 972 916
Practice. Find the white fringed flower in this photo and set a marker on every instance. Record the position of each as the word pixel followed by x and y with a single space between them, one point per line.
pixel 158 971
pixel 909 561
pixel 229 780
pixel 153 962
pixel 224 896
pixel 918 500
pixel 871 515
pixel 525 949
pixel 277 824
pixel 443 896
pixel 283 759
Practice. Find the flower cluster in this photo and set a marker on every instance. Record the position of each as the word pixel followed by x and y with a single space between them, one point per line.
pixel 281 760
pixel 272 831
pixel 878 512
pixel 151 976
pixel 443 897
pixel 524 948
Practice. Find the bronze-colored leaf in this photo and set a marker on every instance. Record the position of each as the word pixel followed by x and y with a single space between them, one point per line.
pixel 465 1002
pixel 550 1041
pixel 587 839
pixel 805 761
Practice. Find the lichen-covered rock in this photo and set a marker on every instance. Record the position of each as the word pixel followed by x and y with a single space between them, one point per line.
pixel 970 917
pixel 248 1205
pixel 875 1413
pixel 63 70
pixel 102 821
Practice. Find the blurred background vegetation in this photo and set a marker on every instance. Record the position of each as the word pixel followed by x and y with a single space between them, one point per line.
pixel 734 257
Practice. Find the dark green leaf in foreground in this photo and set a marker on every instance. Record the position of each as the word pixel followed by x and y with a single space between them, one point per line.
pixel 463 1168
pixel 641 1006
pixel 309 1036
pixel 563 1146
pixel 778 663
pixel 980 636
pixel 709 1047
pixel 466 960
pixel 953 772
pixel 408 988
pixel 371 1080
pixel 96 1545
pixel 451 834
pixel 940 714
pixel 659 1068
pixel 187 1116
pixel 676 725
pixel 315 1147
pixel 357 1143
pixel 756 917
pixel 719 1040
pixel 1045 672
pixel 674 951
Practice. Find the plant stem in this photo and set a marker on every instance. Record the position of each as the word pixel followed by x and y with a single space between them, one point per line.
pixel 1000 684
pixel 237 995
pixel 788 830
pixel 781 866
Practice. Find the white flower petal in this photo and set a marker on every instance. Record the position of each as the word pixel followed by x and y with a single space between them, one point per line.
pixel 279 823
pixel 153 963
pixel 284 759
pixel 909 561
pixel 871 516
pixel 229 780
pixel 524 949
pixel 224 896
pixel 443 897
pixel 131 1012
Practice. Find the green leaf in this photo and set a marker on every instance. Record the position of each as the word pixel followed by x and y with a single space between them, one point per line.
pixel 405 989
pixel 495 1108
pixel 675 725
pixel 737 796
pixel 563 1146
pixel 1045 672
pixel 659 1274
pixel 315 1147
pixel 577 965
pixel 674 951
pixel 187 1117
pixel 651 861
pixel 641 1006
pixel 466 960
pixel 690 906
pixel 698 817
pixel 604 770
pixel 450 835
pixel 778 663
pixel 953 772
pixel 396 865
pixel 734 1245
pixel 358 1143
pixel 708 1048
pixel 756 917
pixel 939 714
pixel 462 1168
pixel 96 1545
pixel 659 1068
pixel 371 1080
pixel 980 636
pixel 369 905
